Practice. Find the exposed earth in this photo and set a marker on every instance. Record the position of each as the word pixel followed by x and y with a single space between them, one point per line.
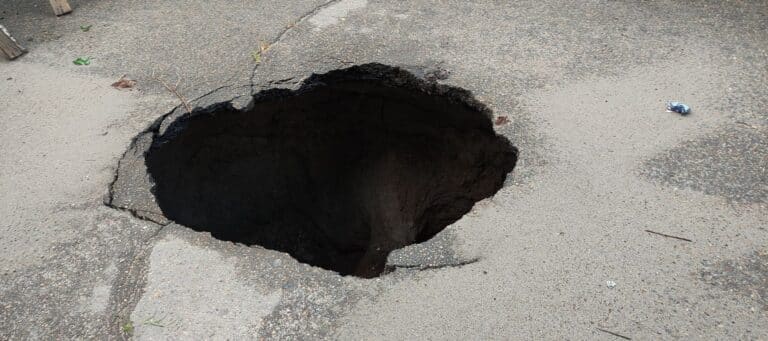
pixel 618 220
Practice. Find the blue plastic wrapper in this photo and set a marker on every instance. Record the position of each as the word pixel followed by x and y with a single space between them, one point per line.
pixel 678 107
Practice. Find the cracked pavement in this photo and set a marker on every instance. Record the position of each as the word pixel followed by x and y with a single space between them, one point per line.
pixel 582 83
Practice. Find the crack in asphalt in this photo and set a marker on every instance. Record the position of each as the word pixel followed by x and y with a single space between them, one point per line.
pixel 129 286
pixel 422 267
pixel 287 29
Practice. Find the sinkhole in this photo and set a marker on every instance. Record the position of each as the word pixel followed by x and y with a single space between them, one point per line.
pixel 338 173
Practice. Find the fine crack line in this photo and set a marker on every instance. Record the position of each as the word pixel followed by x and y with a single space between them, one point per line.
pixel 436 266
pixel 286 30
pixel 110 196
pixel 214 90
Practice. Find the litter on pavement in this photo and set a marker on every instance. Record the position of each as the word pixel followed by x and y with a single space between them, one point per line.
pixel 678 107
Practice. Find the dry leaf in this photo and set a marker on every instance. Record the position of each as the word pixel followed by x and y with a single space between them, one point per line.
pixel 124 83
pixel 501 120
pixel 264 46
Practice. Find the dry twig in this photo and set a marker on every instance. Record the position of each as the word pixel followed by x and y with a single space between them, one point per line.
pixel 173 89
pixel 614 334
pixel 669 235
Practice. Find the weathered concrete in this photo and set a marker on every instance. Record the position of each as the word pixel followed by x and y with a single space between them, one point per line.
pixel 583 84
pixel 180 276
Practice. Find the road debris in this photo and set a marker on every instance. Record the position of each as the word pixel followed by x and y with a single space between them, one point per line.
pixel 501 120
pixel 174 89
pixel 124 83
pixel 82 61
pixel 678 107
pixel 263 47
pixel 610 284
pixel 614 334
pixel 85 28
pixel 669 235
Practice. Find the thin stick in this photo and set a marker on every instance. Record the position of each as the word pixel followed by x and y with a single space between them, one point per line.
pixel 173 91
pixel 614 334
pixel 669 236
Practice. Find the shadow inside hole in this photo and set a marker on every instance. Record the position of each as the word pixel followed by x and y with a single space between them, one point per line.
pixel 337 174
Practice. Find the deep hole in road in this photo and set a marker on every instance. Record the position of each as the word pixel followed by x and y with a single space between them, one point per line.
pixel 356 163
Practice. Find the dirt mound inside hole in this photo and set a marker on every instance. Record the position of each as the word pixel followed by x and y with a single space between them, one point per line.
pixel 356 163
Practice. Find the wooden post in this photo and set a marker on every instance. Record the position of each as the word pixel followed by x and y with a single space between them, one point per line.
pixel 60 7
pixel 8 45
